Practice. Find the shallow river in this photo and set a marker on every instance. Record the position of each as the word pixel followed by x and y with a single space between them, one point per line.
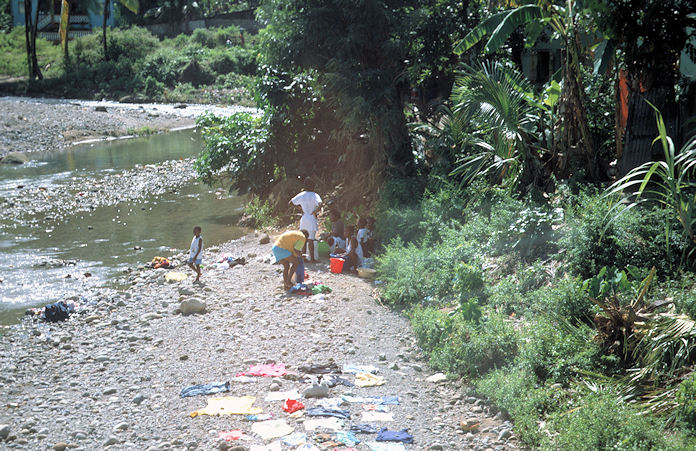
pixel 104 242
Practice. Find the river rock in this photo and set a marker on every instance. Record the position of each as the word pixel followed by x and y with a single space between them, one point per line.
pixel 316 391
pixel 191 306
pixel 437 378
pixel 60 446
pixel 100 108
pixel 15 158
pixel 265 239
pixel 4 431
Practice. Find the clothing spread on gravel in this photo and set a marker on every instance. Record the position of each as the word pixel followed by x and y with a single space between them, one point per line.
pixel 259 369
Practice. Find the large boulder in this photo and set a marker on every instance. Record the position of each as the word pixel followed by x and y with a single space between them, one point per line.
pixel 15 158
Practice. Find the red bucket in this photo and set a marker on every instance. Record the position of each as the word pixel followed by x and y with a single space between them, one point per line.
pixel 336 265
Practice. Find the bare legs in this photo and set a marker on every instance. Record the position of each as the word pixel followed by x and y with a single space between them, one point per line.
pixel 289 268
pixel 197 269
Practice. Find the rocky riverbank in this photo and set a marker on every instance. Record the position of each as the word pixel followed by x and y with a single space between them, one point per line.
pixel 110 377
pixel 32 125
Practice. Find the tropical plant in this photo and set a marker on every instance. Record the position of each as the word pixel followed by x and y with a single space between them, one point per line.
pixel 495 104
pixel 563 20
pixel 668 183
pixel 30 31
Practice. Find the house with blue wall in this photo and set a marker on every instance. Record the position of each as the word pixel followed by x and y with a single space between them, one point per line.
pixel 82 19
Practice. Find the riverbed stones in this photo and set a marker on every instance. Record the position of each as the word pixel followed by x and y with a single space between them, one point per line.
pixel 191 306
pixel 4 431
pixel 437 378
pixel 60 446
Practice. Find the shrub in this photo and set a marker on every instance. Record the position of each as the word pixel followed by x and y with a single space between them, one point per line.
pixel 163 65
pixel 258 214
pixel 602 422
pixel 515 390
pixel 553 351
pixel 14 56
pixel 215 37
pixel 240 60
pixel 414 274
pixel 591 241
pixel 685 412
pixel 567 299
pixel 462 347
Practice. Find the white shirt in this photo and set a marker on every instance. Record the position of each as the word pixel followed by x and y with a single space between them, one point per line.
pixel 194 247
pixel 309 201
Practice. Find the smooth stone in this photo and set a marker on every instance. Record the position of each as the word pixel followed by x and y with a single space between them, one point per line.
pixel 437 378
pixel 121 426
pixel 110 441
pixel 150 316
pixel 316 391
pixel 60 446
pixel 192 306
pixel 4 430
pixel 504 434
pixel 138 399
pixel 109 391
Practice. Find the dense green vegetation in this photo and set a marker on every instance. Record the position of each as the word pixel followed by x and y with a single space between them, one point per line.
pixel 208 66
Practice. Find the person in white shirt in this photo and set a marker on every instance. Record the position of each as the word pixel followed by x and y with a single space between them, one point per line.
pixel 309 201
pixel 196 252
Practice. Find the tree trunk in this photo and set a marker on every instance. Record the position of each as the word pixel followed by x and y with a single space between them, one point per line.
pixel 27 27
pixel 30 31
pixel 106 17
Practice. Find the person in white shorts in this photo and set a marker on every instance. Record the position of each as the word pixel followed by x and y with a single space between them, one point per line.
pixel 309 201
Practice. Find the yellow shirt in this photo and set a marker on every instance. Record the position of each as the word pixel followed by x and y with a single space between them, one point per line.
pixel 288 240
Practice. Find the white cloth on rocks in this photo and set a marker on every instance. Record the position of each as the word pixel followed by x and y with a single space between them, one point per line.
pixel 309 201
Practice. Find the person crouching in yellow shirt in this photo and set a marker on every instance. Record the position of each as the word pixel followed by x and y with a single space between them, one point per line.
pixel 285 253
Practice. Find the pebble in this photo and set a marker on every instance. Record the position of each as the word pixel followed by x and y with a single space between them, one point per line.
pixel 60 446
pixel 109 391
pixel 437 378
pixel 121 426
pixel 4 431
pixel 138 399
pixel 110 441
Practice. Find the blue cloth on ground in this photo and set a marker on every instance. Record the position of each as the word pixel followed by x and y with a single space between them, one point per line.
pixel 389 400
pixel 347 438
pixel 374 446
pixel 301 287
pixel 205 389
pixel 386 435
pixel 299 272
pixel 322 412
pixel 363 428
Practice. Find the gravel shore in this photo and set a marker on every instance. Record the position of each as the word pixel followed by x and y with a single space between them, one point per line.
pixel 110 376
pixel 31 125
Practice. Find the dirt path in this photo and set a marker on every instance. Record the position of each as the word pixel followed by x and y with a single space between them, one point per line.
pixel 111 377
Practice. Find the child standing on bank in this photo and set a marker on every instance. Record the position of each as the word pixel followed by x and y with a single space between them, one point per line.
pixel 196 252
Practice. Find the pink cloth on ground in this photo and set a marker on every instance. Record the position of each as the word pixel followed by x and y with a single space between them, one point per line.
pixel 270 369
pixel 235 434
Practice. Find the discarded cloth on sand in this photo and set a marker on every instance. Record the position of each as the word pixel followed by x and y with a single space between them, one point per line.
pixel 330 380
pixel 268 369
pixel 323 412
pixel 229 405
pixel 391 400
pixel 363 428
pixel 205 389
pixel 271 429
pixel 374 446
pixel 368 380
pixel 355 369
pixel 282 395
pixel 333 424
pixel 228 436
pixel 386 435
pixel 368 417
pixel 292 405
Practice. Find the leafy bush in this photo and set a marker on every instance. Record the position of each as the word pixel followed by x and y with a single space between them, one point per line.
pixel 259 214
pixel 602 422
pixel 233 145
pixel 240 60
pixel 163 65
pixel 14 56
pixel 5 16
pixel 591 241
pixel 567 299
pixel 215 37
pixel 686 405
pixel 553 350
pixel 516 391
pixel 462 347
pixel 415 274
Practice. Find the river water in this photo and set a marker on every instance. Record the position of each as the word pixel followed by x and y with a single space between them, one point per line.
pixel 103 242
